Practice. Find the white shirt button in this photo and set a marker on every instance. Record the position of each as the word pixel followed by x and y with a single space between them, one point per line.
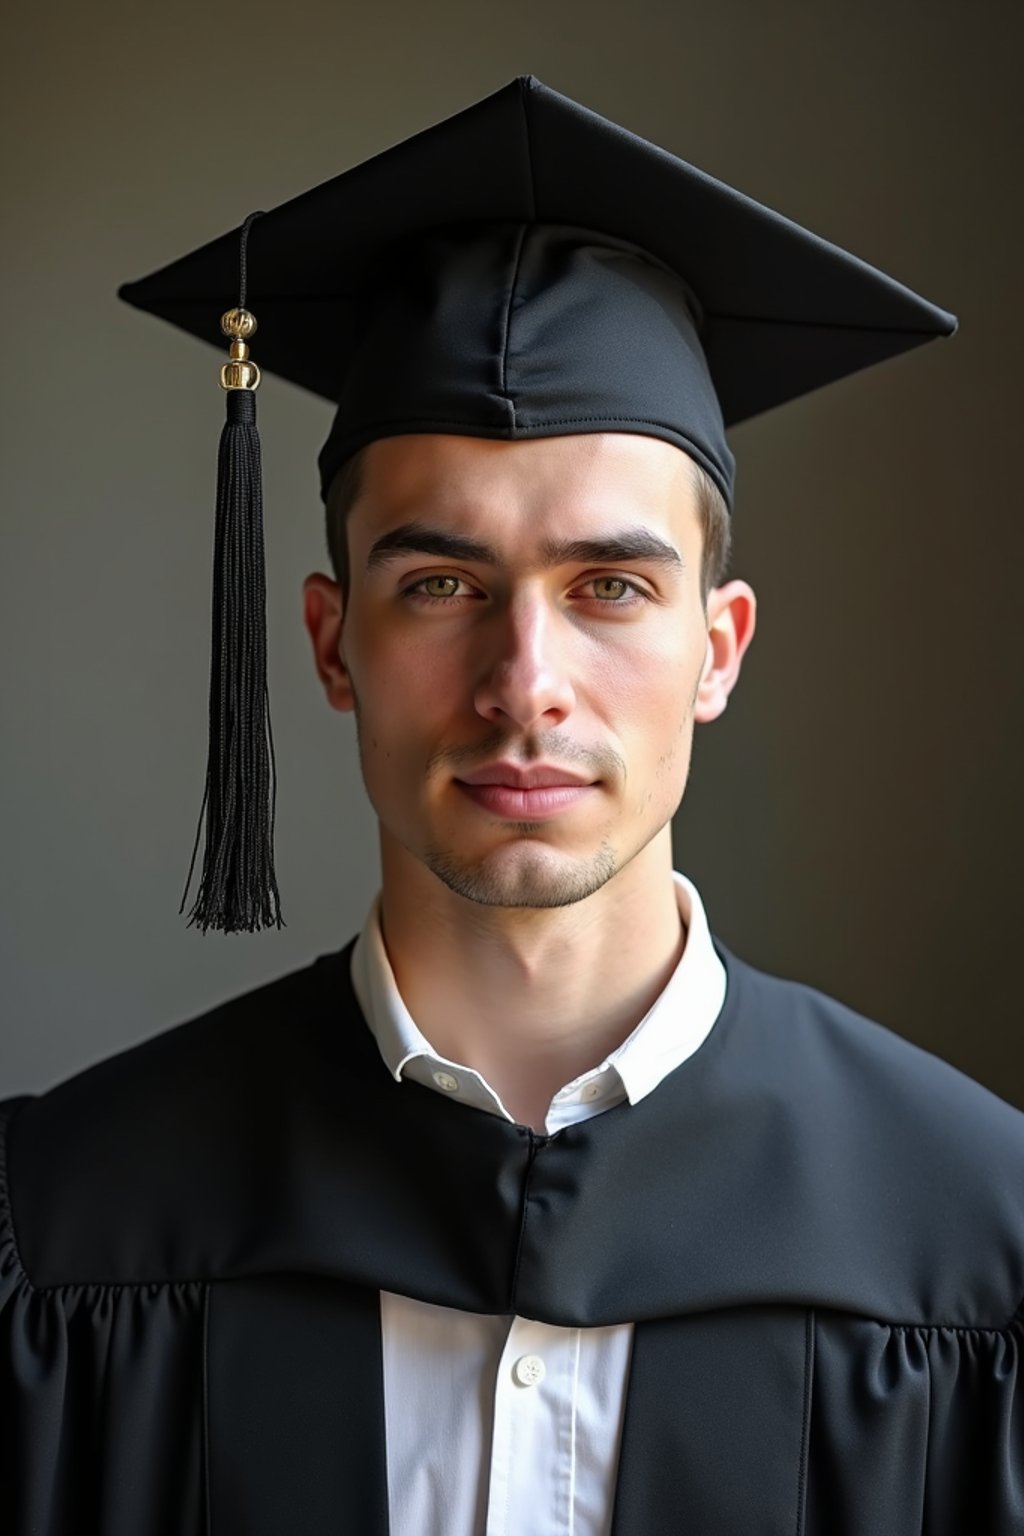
pixel 528 1371
pixel 590 1092
pixel 446 1080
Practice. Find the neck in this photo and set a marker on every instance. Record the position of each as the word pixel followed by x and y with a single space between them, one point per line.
pixel 531 998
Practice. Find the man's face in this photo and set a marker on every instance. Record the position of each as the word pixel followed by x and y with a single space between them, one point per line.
pixel 520 612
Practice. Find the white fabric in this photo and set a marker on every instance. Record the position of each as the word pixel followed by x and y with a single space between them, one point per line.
pixel 499 1426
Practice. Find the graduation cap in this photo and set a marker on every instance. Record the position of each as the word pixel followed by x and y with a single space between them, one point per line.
pixel 523 269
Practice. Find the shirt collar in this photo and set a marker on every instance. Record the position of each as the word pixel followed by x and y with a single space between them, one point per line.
pixel 672 1029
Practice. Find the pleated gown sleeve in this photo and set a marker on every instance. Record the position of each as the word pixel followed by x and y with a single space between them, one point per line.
pixel 916 1429
pixel 100 1400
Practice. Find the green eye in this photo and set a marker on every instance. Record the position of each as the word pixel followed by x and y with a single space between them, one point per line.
pixel 440 586
pixel 614 587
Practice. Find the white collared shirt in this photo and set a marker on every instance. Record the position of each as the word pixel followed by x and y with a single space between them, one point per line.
pixel 499 1426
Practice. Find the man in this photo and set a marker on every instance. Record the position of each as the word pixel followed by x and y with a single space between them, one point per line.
pixel 534 1210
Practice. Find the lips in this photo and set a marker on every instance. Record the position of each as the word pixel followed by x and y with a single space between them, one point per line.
pixel 512 776
pixel 510 793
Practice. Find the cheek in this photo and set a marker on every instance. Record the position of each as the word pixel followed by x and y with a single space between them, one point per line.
pixel 645 693
pixel 409 701
pixel 395 672
pixel 650 681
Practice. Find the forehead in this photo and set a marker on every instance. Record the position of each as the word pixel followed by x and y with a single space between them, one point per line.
pixel 527 490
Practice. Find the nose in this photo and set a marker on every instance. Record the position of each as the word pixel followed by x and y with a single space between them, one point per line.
pixel 524 680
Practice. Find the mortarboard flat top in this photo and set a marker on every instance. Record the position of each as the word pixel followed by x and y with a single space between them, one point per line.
pixel 779 311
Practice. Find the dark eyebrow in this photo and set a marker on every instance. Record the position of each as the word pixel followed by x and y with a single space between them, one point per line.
pixel 627 545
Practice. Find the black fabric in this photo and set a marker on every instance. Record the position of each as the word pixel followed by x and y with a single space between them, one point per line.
pixel 719 1381
pixel 596 283
pixel 818 1229
pixel 519 330
pixel 315 1380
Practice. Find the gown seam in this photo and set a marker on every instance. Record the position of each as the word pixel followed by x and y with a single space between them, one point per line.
pixel 6 1203
pixel 1012 1322
pixel 207 1521
pixel 535 1143
pixel 131 1285
pixel 805 1427
pixel 929 1415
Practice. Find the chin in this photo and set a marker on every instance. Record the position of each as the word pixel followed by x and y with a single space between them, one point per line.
pixel 523 875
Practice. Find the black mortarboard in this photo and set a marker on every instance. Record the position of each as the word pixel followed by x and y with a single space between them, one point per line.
pixel 523 269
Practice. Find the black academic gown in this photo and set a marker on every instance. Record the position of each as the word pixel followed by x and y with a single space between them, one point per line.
pixel 817 1228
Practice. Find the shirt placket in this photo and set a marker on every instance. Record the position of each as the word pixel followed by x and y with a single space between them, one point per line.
pixel 533 1440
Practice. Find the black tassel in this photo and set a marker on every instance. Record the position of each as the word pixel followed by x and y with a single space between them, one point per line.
pixel 238 889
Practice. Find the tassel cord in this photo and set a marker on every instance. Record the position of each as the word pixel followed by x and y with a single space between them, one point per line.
pixel 238 888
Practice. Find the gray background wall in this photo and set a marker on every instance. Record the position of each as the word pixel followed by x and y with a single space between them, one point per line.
pixel 853 820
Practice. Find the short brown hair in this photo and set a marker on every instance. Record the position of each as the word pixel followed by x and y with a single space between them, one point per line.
pixel 716 524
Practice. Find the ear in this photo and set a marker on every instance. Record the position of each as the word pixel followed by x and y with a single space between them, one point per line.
pixel 732 618
pixel 323 609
